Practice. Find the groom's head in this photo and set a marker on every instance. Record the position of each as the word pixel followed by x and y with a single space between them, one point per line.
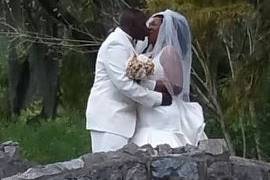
pixel 133 22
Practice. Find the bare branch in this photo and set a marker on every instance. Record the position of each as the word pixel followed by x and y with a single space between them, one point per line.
pixel 199 58
pixel 204 98
pixel 125 3
pixel 251 44
pixel 229 58
pixel 195 74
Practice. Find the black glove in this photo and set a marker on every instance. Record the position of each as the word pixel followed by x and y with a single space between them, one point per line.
pixel 166 99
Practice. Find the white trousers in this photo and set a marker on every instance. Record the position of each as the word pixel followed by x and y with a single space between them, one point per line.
pixel 105 141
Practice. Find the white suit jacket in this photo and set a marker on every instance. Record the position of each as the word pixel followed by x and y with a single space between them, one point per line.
pixel 112 102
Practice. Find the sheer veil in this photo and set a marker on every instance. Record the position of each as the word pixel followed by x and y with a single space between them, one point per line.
pixel 173 46
pixel 172 56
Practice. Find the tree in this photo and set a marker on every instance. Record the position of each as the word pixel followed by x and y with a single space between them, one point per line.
pixel 42 33
pixel 227 67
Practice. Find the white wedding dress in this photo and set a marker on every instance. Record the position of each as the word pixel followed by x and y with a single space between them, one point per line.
pixel 177 125
pixel 182 122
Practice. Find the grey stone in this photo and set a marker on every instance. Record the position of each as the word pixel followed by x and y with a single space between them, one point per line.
pixel 137 172
pixel 130 149
pixel 247 169
pixel 213 146
pixel 10 161
pixel 179 150
pixel 11 151
pixel 175 167
pixel 49 170
pixel 149 150
pixel 209 161
pixel 164 149
pixel 219 170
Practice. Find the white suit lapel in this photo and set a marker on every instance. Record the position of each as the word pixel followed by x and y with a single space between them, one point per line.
pixel 127 38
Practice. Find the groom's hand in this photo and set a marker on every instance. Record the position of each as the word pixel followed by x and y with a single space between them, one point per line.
pixel 160 87
pixel 166 99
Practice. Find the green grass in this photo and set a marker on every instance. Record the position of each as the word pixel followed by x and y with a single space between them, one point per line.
pixel 50 141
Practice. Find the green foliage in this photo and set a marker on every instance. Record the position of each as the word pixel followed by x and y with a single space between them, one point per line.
pixel 3 77
pixel 182 5
pixel 263 126
pixel 232 61
pixel 47 140
pixel 212 128
pixel 229 63
pixel 76 79
pixel 31 112
pixel 60 139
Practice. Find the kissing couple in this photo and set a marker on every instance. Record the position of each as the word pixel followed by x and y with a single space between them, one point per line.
pixel 152 110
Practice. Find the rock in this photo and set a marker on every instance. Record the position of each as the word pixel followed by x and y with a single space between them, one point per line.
pixel 164 149
pixel 11 149
pixel 10 161
pixel 127 163
pixel 175 167
pixel 49 170
pixel 137 172
pixel 179 150
pixel 247 169
pixel 149 150
pixel 214 146
pixel 209 161
pixel 219 170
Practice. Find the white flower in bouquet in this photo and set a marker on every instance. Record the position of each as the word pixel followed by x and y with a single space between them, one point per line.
pixel 140 67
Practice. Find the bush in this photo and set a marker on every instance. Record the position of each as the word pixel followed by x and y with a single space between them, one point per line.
pixel 49 141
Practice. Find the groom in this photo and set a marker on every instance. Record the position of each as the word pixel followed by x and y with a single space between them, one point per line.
pixel 111 108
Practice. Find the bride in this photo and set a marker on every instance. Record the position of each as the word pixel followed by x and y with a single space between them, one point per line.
pixel 182 122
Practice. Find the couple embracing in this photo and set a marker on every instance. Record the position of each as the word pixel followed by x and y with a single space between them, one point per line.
pixel 154 110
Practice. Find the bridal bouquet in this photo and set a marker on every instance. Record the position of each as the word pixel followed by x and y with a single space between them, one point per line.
pixel 140 67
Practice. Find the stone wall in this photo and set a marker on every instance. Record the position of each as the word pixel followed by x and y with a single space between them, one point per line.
pixel 10 160
pixel 210 161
